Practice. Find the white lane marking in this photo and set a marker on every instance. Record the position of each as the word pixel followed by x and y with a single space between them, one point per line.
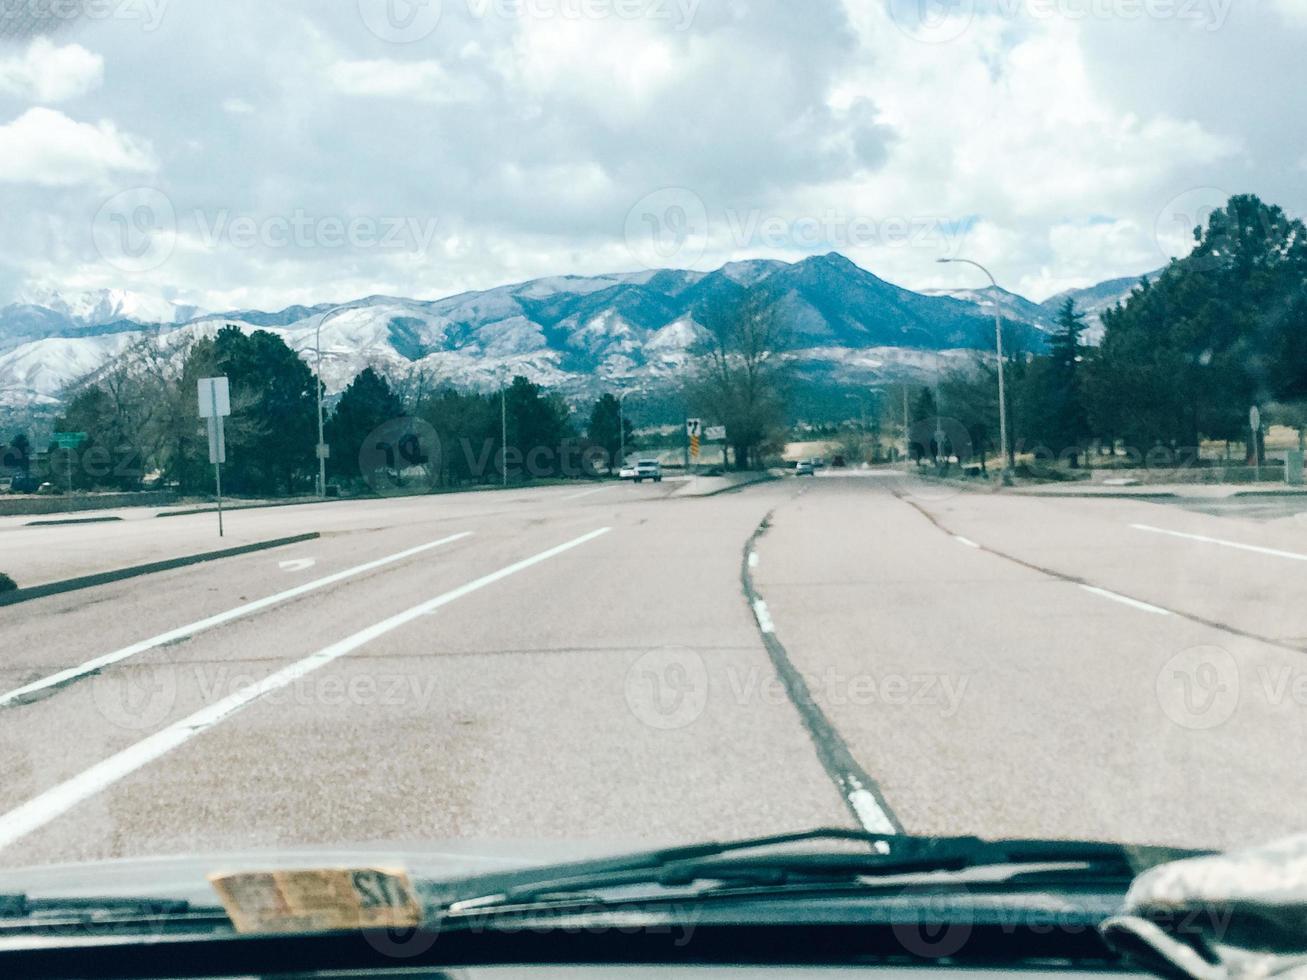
pixel 870 815
pixel 967 541
pixel 298 565
pixel 588 493
pixel 763 615
pixel 753 559
pixel 39 811
pixel 181 632
pixel 1135 603
pixel 1274 552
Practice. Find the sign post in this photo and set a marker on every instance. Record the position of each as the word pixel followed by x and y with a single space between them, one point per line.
pixel 694 429
pixel 68 441
pixel 717 433
pixel 215 405
pixel 1255 423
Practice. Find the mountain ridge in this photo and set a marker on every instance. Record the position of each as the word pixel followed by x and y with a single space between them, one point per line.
pixel 570 332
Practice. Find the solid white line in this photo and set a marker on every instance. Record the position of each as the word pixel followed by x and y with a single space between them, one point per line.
pixel 1274 552
pixel 181 632
pixel 1135 603
pixel 763 615
pixel 37 812
pixel 753 559
pixel 967 541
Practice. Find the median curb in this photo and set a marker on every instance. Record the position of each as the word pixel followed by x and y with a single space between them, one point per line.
pixel 105 578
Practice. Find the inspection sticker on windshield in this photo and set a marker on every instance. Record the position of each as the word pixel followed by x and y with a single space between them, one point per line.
pixel 318 900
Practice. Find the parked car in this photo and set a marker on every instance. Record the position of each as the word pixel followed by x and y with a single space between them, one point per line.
pixel 627 472
pixel 805 467
pixel 649 469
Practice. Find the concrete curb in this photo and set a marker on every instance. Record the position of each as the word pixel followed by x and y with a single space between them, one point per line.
pixel 73 520
pixel 104 578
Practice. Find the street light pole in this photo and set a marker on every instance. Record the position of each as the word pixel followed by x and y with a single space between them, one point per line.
pixel 621 425
pixel 1002 388
pixel 503 430
pixel 322 445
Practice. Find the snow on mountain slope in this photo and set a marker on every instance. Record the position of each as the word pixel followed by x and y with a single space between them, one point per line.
pixel 571 332
pixel 1012 306
pixel 1096 300
pixel 36 373
pixel 93 307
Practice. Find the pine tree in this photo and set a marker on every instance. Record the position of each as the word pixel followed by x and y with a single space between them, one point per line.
pixel 366 404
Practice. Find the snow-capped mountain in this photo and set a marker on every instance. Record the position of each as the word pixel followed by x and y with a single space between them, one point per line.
pixel 1011 305
pixel 94 307
pixel 1094 301
pixel 569 332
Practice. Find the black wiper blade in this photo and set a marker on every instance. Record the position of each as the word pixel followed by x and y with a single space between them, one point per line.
pixel 23 910
pixel 884 856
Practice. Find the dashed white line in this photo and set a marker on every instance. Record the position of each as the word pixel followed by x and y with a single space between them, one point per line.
pixel 763 615
pixel 182 632
pixel 1274 552
pixel 39 811
pixel 870 814
pixel 1126 600
pixel 967 541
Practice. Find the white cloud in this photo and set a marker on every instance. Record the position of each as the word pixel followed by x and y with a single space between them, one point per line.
pixel 422 81
pixel 45 147
pixel 46 73
pixel 1293 11
pixel 237 107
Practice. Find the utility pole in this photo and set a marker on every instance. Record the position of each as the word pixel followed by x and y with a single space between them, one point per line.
pixel 1002 369
pixel 503 430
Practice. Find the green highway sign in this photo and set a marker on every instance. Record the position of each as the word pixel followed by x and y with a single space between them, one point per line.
pixel 69 440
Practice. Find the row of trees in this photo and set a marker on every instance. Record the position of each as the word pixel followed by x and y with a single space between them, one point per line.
pixel 140 420
pixel 1180 362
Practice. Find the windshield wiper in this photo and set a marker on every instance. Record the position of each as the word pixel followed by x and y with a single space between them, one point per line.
pixel 22 912
pixel 728 865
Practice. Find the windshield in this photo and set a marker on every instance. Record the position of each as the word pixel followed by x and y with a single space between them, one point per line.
pixel 474 435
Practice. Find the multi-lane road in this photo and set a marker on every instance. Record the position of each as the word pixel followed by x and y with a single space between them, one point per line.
pixel 627 664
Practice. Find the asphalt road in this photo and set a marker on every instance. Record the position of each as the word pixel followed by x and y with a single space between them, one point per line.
pixel 582 665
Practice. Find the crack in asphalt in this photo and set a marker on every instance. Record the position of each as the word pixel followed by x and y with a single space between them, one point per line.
pixel 860 792
pixel 1077 580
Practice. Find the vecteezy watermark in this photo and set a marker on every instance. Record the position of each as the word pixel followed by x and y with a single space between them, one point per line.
pixel 137 230
pixel 1184 219
pixel 141 696
pixel 671 226
pixel 942 21
pixel 401 457
pixel 668 227
pixel 1199 688
pixel 26 18
pixel 667 688
pixel 401 21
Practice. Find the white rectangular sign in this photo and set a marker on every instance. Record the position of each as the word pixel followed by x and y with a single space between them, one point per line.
pixel 694 427
pixel 716 433
pixel 215 398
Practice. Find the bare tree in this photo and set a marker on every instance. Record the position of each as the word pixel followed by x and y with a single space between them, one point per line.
pixel 743 375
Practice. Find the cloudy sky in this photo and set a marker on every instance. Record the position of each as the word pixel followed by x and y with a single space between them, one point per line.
pixel 259 153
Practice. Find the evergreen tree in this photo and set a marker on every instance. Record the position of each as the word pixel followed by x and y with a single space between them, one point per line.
pixel 605 430
pixel 367 403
